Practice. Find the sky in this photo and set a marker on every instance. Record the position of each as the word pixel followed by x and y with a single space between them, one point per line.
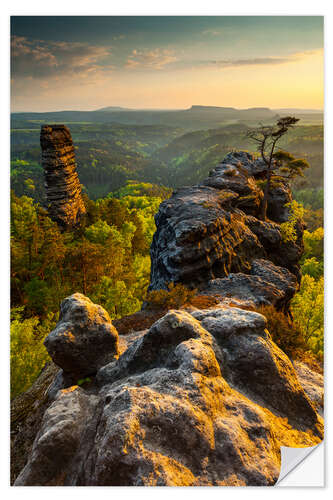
pixel 86 62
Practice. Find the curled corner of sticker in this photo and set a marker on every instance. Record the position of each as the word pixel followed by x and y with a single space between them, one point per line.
pixel 298 468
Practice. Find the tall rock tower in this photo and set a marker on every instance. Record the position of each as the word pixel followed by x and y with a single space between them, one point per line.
pixel 63 189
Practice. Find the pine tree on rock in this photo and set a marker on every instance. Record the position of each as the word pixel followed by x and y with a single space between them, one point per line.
pixel 279 163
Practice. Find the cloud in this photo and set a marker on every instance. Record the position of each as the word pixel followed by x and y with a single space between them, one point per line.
pixel 151 59
pixel 260 61
pixel 256 61
pixel 40 59
pixel 211 33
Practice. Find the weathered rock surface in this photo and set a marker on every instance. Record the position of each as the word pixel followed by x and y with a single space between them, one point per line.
pixel 26 414
pixel 254 166
pixel 312 383
pixel 266 284
pixel 198 238
pixel 84 338
pixel 63 189
pixel 236 179
pixel 199 399
pixel 208 231
pixel 254 364
pixel 280 192
pixel 279 196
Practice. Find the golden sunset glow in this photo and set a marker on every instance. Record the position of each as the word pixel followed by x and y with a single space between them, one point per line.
pixel 150 63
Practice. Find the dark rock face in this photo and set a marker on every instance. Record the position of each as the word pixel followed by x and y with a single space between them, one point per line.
pixel 283 279
pixel 198 399
pixel 199 238
pixel 84 338
pixel 63 189
pixel 281 253
pixel 279 196
pixel 208 231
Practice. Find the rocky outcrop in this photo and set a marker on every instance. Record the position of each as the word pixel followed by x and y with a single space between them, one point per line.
pixel 199 399
pixel 212 230
pixel 254 365
pixel 63 189
pixel 280 192
pixel 84 338
pixel 202 396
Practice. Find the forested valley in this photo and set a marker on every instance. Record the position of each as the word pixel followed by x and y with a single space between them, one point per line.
pixel 126 171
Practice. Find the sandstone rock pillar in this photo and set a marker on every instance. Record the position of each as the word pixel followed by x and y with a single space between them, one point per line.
pixel 63 189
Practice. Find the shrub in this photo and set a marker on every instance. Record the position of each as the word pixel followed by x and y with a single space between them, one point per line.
pixel 284 332
pixel 308 310
pixel 288 229
pixel 173 298
pixel 140 320
pixel 289 336
pixel 204 301
pixel 313 268
pixel 27 352
pixel 314 244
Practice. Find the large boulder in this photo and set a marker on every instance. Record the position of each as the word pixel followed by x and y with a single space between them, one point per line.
pixel 213 229
pixel 199 399
pixel 84 338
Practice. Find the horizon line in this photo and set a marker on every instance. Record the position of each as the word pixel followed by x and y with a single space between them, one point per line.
pixel 318 110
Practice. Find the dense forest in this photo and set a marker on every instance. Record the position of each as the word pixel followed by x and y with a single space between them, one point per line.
pixel 126 171
pixel 109 154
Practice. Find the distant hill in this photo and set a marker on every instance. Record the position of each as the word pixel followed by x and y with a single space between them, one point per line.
pixel 298 111
pixel 114 108
pixel 195 118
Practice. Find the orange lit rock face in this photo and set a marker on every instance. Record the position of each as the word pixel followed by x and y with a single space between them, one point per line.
pixel 177 409
pixel 63 189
